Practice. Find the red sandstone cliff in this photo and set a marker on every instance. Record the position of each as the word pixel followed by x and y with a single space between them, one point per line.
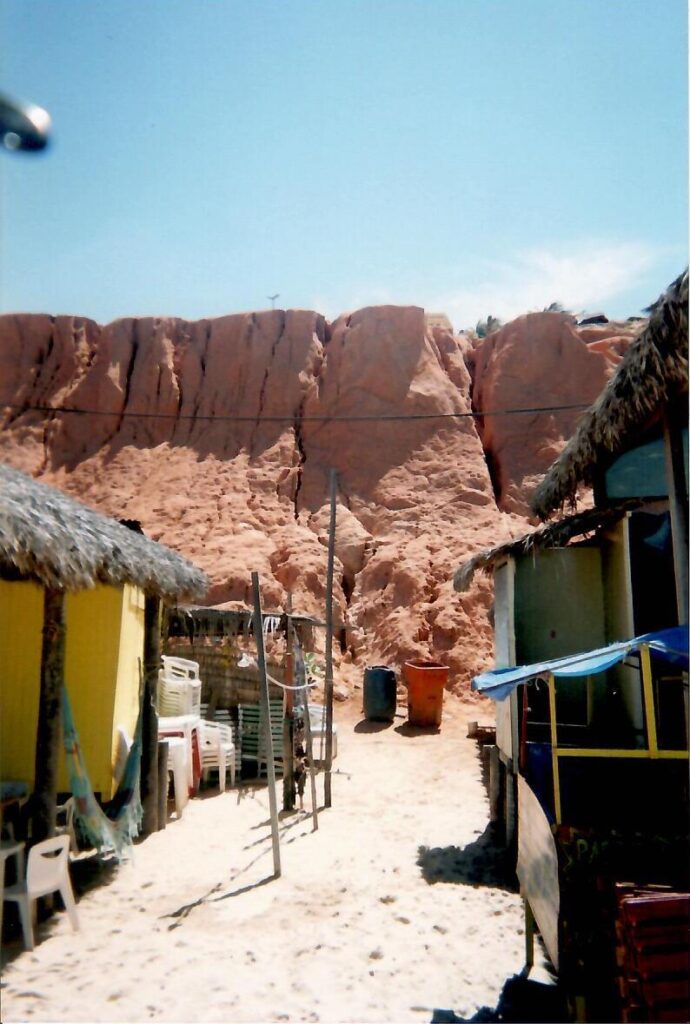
pixel 218 435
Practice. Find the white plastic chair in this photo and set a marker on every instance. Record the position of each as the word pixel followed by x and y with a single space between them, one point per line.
pixel 178 696
pixel 65 827
pixel 217 751
pixel 47 871
pixel 181 668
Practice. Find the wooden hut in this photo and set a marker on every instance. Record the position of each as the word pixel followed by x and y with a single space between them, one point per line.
pixel 610 734
pixel 79 605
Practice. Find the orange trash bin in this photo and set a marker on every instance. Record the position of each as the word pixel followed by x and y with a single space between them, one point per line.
pixel 426 681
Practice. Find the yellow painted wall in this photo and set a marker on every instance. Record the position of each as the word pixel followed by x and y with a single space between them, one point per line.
pixel 126 705
pixel 21 622
pixel 105 635
pixel 92 648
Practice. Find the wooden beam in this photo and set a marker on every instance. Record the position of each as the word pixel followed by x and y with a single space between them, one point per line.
pixel 328 688
pixel 49 729
pixel 149 737
pixel 266 710
pixel 622 754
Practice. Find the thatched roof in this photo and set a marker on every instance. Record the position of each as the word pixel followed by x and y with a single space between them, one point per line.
pixel 554 535
pixel 652 374
pixel 62 544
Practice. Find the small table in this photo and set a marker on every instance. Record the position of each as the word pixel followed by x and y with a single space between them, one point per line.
pixel 13 795
pixel 10 848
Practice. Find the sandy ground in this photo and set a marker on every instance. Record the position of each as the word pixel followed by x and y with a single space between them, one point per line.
pixel 394 910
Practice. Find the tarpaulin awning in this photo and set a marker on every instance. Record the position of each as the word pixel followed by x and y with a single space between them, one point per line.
pixel 670 645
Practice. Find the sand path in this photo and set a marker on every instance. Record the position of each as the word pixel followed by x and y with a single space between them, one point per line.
pixel 389 911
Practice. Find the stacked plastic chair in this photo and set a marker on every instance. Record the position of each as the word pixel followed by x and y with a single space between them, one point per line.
pixel 179 687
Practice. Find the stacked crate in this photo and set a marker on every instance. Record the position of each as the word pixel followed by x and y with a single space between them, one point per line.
pixel 653 952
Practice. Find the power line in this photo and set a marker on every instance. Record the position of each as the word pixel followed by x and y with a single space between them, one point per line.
pixel 291 417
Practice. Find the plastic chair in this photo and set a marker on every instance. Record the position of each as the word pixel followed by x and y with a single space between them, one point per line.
pixel 47 871
pixel 180 668
pixel 217 751
pixel 66 827
pixel 178 695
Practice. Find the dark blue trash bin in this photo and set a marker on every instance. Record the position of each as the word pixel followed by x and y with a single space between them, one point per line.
pixel 379 693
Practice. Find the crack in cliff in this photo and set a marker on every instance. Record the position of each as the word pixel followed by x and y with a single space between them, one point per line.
pixel 129 373
pixel 348 320
pixel 264 383
pixel 478 420
pixel 32 398
pixel 203 359
pixel 302 453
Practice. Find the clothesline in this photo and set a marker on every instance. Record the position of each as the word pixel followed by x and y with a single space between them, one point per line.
pixel 246 661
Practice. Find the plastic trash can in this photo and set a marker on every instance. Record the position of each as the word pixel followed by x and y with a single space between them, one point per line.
pixel 379 693
pixel 425 681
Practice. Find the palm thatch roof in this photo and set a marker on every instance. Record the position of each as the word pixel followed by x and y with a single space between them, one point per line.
pixel 61 544
pixel 554 535
pixel 652 374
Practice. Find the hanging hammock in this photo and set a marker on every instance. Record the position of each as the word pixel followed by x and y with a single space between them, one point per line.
pixel 110 829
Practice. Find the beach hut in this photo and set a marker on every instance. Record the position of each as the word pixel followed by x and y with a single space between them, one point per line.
pixel 594 750
pixel 618 570
pixel 80 600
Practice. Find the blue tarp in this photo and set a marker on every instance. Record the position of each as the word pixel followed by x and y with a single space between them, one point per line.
pixel 670 645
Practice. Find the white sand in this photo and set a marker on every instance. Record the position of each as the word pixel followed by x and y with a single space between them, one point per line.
pixel 352 931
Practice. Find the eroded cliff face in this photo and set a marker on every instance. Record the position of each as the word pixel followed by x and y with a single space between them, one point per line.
pixel 540 361
pixel 218 435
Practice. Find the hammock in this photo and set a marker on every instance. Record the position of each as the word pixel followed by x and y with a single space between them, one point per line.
pixel 109 830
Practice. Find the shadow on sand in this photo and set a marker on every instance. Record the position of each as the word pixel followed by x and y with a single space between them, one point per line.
pixel 482 862
pixel 417 730
pixel 368 725
pixel 522 1002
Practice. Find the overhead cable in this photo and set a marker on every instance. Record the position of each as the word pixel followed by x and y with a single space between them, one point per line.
pixel 291 417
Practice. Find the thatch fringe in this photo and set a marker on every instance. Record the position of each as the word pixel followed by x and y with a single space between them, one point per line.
pixel 554 535
pixel 653 372
pixel 60 543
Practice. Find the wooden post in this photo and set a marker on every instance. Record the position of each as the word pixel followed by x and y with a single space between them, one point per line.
pixel 649 709
pixel 529 937
pixel 494 783
pixel 678 508
pixel 554 749
pixel 511 810
pixel 149 738
pixel 48 732
pixel 328 687
pixel 288 745
pixel 266 708
pixel 162 784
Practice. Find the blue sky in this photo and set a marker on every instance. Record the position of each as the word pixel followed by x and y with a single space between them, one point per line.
pixel 470 156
